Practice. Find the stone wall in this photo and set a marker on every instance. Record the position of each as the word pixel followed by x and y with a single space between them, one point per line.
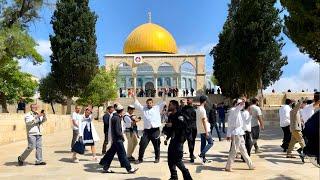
pixel 271 116
pixel 13 128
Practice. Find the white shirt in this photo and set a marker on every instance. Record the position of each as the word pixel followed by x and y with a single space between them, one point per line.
pixel 235 121
pixel 307 112
pixel 200 114
pixel 76 117
pixel 246 117
pixel 284 114
pixel 151 117
pixel 127 120
pixel 255 113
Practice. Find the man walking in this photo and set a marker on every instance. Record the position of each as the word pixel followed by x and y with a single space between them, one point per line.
pixel 221 113
pixel 203 127
pixel 257 123
pixel 34 121
pixel 175 149
pixel 152 123
pixel 106 116
pixel 295 128
pixel 235 134
pixel 284 114
pixel 190 115
pixel 130 121
pixel 213 121
pixel 76 117
pixel 116 140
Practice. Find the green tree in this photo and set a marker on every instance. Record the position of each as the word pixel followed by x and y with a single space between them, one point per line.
pixel 101 89
pixel 15 42
pixel 14 84
pixel 302 25
pixel 50 93
pixel 248 56
pixel 74 59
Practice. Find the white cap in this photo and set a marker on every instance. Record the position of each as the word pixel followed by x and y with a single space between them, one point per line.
pixel 239 101
pixel 131 106
pixel 119 107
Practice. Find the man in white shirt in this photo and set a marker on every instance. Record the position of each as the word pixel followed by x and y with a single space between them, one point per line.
pixel 76 117
pixel 257 123
pixel 34 121
pixel 203 128
pixel 284 114
pixel 152 122
pixel 308 110
pixel 130 121
pixel 246 117
pixel 235 134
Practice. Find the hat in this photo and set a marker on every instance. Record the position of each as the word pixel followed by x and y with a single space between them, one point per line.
pixel 203 98
pixel 119 107
pixel 131 106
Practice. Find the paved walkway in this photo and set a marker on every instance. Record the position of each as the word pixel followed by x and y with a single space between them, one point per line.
pixel 271 164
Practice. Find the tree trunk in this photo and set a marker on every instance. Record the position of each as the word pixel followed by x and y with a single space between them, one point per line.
pixel 3 101
pixel 54 112
pixel 261 93
pixel 98 113
pixel 69 102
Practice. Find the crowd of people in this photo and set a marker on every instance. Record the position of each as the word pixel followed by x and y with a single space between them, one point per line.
pixel 298 120
pixel 170 92
pixel 183 122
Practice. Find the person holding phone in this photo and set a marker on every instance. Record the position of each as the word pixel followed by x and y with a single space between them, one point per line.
pixel 34 121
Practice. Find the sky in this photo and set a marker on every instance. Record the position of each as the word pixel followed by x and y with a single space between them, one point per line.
pixel 194 24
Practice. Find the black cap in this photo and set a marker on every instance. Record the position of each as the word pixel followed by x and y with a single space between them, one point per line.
pixel 203 98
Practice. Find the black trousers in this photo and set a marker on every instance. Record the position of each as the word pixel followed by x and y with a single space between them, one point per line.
pixel 286 137
pixel 248 141
pixel 191 138
pixel 152 134
pixel 105 142
pixel 116 147
pixel 175 154
pixel 214 125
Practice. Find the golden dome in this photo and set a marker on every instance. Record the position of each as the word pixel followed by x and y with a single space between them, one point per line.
pixel 150 38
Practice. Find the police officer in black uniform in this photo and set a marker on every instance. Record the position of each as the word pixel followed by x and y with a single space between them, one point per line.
pixel 191 134
pixel 175 149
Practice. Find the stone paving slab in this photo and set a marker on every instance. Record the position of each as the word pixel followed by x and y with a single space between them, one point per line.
pixel 271 164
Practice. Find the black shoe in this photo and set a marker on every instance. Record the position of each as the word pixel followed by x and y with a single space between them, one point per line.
pixel 302 157
pixel 299 150
pixel 192 160
pixel 193 157
pixel 172 178
pixel 41 163
pixel 133 170
pixel 131 159
pixel 156 160
pixel 139 161
pixel 20 162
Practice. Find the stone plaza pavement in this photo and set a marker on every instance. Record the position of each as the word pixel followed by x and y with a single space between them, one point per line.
pixel 271 164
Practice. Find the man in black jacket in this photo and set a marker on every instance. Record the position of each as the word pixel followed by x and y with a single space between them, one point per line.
pixel 175 149
pixel 116 139
pixel 191 134
pixel 213 120
pixel 105 118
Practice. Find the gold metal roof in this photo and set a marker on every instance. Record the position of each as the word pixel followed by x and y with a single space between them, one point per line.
pixel 150 38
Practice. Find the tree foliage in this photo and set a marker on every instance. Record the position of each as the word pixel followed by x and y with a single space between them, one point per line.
pixel 15 84
pixel 101 89
pixel 248 56
pixel 49 91
pixel 74 59
pixel 302 25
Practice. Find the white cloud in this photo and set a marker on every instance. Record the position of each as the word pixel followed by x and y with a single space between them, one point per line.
pixel 307 78
pixel 40 70
pixel 44 48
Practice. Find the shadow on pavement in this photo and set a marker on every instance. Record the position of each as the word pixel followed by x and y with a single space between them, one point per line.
pixel 93 167
pixel 62 152
pixel 208 168
pixel 281 176
pixel 143 178
pixel 15 163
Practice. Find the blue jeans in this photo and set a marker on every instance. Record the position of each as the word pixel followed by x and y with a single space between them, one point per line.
pixel 204 146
